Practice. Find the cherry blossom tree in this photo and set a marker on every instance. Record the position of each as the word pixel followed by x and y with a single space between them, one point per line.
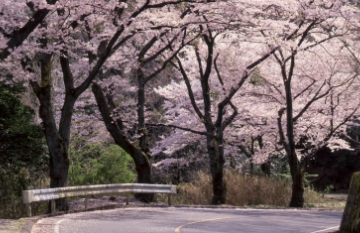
pixel 213 114
pixel 317 87
pixel 152 58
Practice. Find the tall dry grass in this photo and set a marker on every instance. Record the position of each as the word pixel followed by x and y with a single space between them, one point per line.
pixel 241 191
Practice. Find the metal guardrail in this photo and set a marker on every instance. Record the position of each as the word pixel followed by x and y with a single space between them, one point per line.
pixel 51 194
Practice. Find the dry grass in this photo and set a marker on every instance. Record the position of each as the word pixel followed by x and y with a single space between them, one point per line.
pixel 241 191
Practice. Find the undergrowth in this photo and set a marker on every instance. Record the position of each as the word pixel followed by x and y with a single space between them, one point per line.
pixel 11 202
pixel 241 191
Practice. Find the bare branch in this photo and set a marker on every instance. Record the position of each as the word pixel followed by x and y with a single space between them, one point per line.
pixel 307 88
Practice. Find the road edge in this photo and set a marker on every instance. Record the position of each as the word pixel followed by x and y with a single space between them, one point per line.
pixel 29 223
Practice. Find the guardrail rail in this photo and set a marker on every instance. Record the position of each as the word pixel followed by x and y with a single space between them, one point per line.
pixel 52 194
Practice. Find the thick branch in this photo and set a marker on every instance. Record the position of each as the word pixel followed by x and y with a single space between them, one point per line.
pixel 245 76
pixel 231 118
pixel 146 48
pixel 113 128
pixel 103 57
pixel 190 91
pixel 67 74
pixel 18 36
pixel 281 132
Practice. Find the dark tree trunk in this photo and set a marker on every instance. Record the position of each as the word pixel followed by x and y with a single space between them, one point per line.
pixel 214 131
pixel 144 171
pixel 144 176
pixel 266 168
pixel 217 171
pixel 142 131
pixel 142 162
pixel 297 195
pixel 59 158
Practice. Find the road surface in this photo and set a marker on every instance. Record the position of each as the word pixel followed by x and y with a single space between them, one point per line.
pixel 194 220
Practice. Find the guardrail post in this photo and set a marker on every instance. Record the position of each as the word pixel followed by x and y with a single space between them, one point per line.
pixel 28 206
pixel 86 199
pixel 127 198
pixel 86 202
pixel 169 199
pixel 52 203
pixel 169 196
pixel 28 210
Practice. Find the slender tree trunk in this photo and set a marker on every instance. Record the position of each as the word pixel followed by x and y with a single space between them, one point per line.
pixel 297 196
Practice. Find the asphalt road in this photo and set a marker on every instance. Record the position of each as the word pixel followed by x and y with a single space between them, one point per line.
pixel 194 220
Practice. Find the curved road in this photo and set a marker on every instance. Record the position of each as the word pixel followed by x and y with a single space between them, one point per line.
pixel 194 220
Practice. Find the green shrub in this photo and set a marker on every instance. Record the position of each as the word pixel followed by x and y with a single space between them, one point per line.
pixel 23 161
pixel 11 203
pixel 99 163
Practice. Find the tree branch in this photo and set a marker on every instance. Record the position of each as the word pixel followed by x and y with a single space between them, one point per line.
pixel 182 128
pixel 190 91
pixel 67 74
pixel 18 36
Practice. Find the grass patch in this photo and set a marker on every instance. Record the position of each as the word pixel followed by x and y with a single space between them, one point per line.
pixel 241 191
pixel 330 201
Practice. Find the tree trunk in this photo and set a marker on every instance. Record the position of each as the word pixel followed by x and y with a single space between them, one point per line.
pixel 142 162
pixel 350 222
pixel 142 131
pixel 59 158
pixel 297 195
pixel 217 171
pixel 144 176
pixel 143 170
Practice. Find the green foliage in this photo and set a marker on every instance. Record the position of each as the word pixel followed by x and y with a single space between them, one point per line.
pixel 98 163
pixel 22 151
pixel 22 142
